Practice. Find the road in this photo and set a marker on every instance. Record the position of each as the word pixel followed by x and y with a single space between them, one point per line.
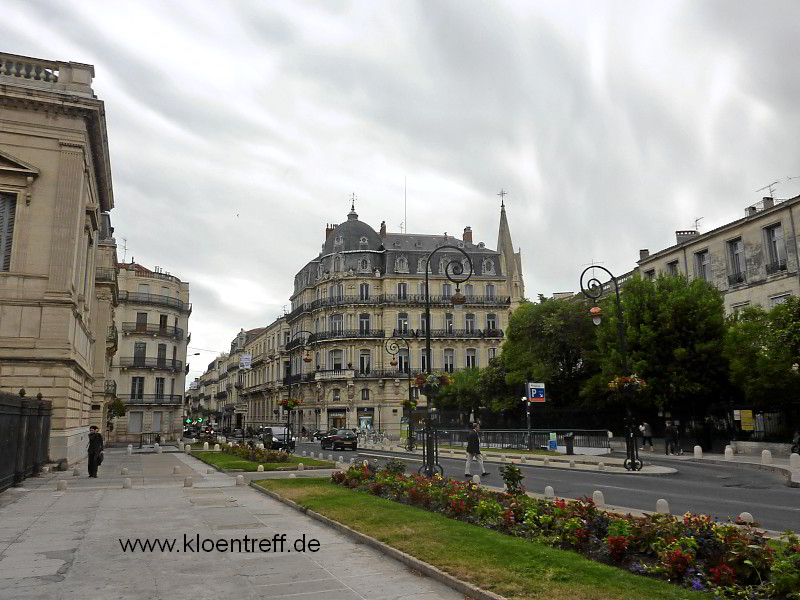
pixel 717 490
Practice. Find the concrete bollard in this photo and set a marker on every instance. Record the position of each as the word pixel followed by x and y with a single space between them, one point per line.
pixel 502 458
pixel 546 461
pixel 476 479
pixel 728 453
pixel 310 455
pixel 175 470
pixel 75 472
pixel 300 466
pixel 45 469
pixel 126 484
pixel 766 457
pixel 548 492
pixel 522 460
pixel 598 498
pixel 698 452
pixel 187 449
pixel 341 458
pixel 240 480
pixel 194 440
pixel 130 449
pixel 187 482
pixel 159 449
pixel 601 466
pixel 180 446
pixel 260 468
pixel 330 457
pixel 366 463
pixel 374 461
pixel 61 485
pixel 304 453
pixel 156 446
pixel 292 475
pixel 352 461
pixel 662 506
pixel 746 517
pixel 209 470
pixel 794 460
pixel 205 445
pixel 230 444
pixel 572 464
pixel 216 447
pixel 123 471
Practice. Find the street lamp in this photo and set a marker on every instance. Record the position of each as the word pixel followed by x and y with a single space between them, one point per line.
pixel 454 271
pixel 306 359
pixel 593 288
pixel 393 348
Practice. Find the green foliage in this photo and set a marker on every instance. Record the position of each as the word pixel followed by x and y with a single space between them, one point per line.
pixel 116 408
pixel 463 392
pixel 512 477
pixel 495 391
pixel 551 341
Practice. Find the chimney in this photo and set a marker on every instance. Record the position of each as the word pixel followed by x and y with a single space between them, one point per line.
pixel 750 211
pixel 467 237
pixel 383 229
pixel 769 202
pixel 644 253
pixel 685 236
pixel 329 227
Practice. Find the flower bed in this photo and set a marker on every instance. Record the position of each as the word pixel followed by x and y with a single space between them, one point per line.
pixel 258 455
pixel 695 552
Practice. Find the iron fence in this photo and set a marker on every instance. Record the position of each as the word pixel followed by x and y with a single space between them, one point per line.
pixel 517 439
pixel 24 437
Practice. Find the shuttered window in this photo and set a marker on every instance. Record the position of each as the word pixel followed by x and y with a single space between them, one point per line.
pixel 8 209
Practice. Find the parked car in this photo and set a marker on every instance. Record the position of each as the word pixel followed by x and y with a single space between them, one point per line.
pixel 278 438
pixel 340 438
pixel 237 433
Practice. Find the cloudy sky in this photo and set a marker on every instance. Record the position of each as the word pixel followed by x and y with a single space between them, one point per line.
pixel 239 129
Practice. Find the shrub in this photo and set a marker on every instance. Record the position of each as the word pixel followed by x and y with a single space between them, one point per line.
pixel 394 467
pixel 512 477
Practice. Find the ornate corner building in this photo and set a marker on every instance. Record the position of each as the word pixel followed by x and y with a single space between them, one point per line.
pixel 364 288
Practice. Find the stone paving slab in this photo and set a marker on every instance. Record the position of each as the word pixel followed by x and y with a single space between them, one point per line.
pixel 65 545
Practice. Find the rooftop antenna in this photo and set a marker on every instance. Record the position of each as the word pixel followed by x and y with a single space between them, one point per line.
pixel 402 230
pixel 284 310
pixel 769 187
pixel 124 249
pixel 795 177
pixel 697 224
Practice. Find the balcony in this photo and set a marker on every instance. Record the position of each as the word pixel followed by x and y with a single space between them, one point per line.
pixel 112 339
pixel 416 299
pixel 385 373
pixel 299 341
pixel 155 300
pixel 110 388
pixel 344 300
pixel 105 274
pixel 221 395
pixel 153 329
pixel 342 334
pixel 736 278
pixel 328 374
pixel 154 399
pixel 290 379
pixel 297 312
pixel 776 267
pixel 144 362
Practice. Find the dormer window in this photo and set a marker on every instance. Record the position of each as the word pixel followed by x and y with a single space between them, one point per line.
pixel 418 244
pixel 338 240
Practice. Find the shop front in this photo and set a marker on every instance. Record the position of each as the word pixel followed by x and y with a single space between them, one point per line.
pixel 337 418
pixel 366 418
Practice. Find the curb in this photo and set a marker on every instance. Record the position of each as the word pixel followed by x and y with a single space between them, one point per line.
pixel 458 585
pixel 792 475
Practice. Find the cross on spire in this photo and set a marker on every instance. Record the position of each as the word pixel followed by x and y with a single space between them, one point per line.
pixel 502 195
pixel 353 201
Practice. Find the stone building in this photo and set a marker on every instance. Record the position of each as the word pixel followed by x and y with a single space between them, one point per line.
pixel 753 260
pixel 150 366
pixel 55 192
pixel 364 289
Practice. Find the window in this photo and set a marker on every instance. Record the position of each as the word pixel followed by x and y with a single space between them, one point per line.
pixel 780 299
pixel 403 362
pixel 447 290
pixel 736 264
pixel 469 290
pixel 141 321
pixel 650 274
pixel 139 354
pixel 402 323
pixel 363 291
pixel 491 321
pixel 363 323
pixel 423 360
pixel 469 323
pixel 776 249
pixel 162 355
pixel 471 358
pixel 337 324
pixel 672 268
pixel 335 359
pixel 336 395
pixel 365 395
pixel 135 422
pixel 490 291
pixel 160 387
pixel 364 361
pixel 702 265
pixel 423 323
pixel 491 353
pixel 8 211
pixel 137 388
pixel 402 291
pixel 449 360
pixel 337 264
pixel 156 421
pixel 735 308
pixel 162 323
pixel 337 291
pixel 448 322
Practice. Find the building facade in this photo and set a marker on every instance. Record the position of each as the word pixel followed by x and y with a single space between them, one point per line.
pixel 55 191
pixel 150 365
pixel 752 261
pixel 365 289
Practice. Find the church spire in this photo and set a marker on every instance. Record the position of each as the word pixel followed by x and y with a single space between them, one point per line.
pixel 510 261
pixel 352 215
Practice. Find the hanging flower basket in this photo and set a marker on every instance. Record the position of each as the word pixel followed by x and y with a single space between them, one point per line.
pixel 433 380
pixel 289 404
pixel 633 382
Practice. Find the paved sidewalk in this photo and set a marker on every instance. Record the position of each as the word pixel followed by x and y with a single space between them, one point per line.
pixel 65 545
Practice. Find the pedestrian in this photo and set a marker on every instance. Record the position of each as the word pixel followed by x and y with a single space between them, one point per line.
pixel 95 450
pixel 647 435
pixel 670 438
pixel 474 451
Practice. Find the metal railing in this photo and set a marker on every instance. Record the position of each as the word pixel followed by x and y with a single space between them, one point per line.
pixel 155 299
pixel 776 266
pixel 144 362
pixel 24 437
pixel 105 274
pixel 110 387
pixel 517 439
pixel 154 399
pixel 298 311
pixel 149 438
pixel 735 278
pixel 345 333
pixel 154 329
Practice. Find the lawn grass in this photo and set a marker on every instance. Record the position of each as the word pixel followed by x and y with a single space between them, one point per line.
pixel 509 566
pixel 231 462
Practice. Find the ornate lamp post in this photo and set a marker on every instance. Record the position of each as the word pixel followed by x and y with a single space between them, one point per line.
pixel 593 288
pixel 454 271
pixel 393 348
pixel 306 359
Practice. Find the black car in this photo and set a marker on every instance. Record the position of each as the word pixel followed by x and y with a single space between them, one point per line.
pixel 277 438
pixel 340 438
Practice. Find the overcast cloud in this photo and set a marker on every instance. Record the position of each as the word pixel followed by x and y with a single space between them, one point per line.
pixel 239 129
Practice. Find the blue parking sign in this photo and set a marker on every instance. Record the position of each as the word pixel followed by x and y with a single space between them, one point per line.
pixel 535 392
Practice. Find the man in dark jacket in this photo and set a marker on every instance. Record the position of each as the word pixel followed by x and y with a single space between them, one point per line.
pixel 474 451
pixel 95 450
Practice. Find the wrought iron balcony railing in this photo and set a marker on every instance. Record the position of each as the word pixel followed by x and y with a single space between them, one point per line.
pixel 776 267
pixel 736 278
pixel 110 387
pixel 153 399
pixel 345 333
pixel 149 362
pixel 105 274
pixel 153 329
pixel 155 299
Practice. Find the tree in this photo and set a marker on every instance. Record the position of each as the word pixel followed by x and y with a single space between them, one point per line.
pixel 675 330
pixel 463 393
pixel 551 341
pixel 497 394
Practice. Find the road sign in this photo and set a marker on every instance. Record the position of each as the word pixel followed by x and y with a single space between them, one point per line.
pixel 747 420
pixel 535 392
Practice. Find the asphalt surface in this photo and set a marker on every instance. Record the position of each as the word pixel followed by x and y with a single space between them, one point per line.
pixel 719 490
